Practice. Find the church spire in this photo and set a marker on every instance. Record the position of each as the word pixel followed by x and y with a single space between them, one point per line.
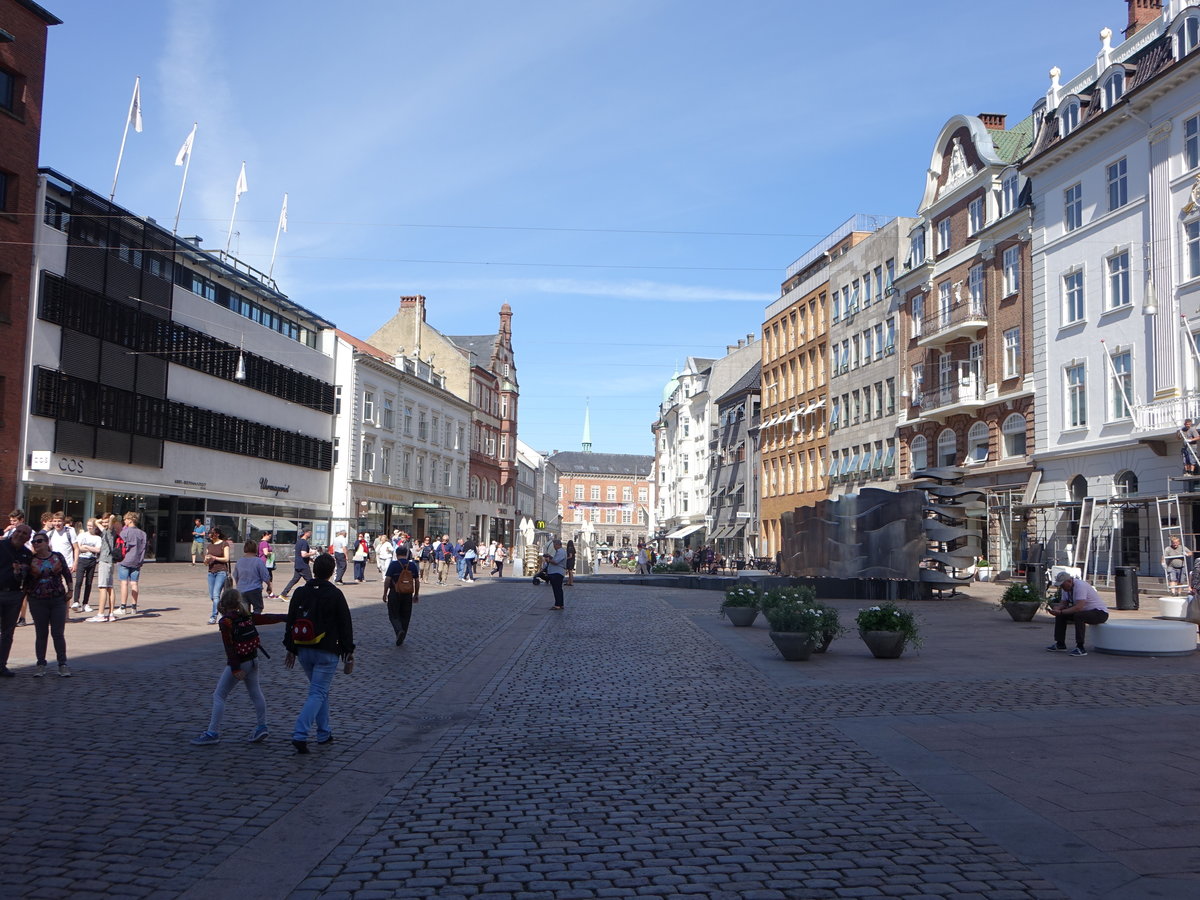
pixel 587 426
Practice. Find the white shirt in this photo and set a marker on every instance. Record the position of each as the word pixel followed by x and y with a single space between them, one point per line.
pixel 63 542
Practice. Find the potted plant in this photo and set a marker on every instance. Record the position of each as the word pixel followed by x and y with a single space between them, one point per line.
pixel 1021 601
pixel 741 605
pixel 887 629
pixel 831 626
pixel 983 570
pixel 796 629
pixel 798 594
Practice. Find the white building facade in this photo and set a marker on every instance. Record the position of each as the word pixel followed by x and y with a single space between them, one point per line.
pixel 1115 171
pixel 402 445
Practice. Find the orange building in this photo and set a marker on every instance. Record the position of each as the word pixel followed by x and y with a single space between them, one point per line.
pixel 793 436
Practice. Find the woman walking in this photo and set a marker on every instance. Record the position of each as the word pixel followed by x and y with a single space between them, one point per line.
pixel 249 577
pixel 385 552
pixel 362 552
pixel 47 585
pixel 570 563
pixel 499 555
pixel 89 543
pixel 217 557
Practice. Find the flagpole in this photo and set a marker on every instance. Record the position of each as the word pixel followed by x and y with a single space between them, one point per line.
pixel 282 226
pixel 237 195
pixel 133 102
pixel 186 152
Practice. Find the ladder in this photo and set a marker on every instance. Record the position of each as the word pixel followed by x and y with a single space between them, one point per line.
pixel 1109 548
pixel 1083 539
pixel 1170 521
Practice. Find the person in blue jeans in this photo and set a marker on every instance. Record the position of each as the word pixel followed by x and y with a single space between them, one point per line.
pixel 216 557
pixel 319 632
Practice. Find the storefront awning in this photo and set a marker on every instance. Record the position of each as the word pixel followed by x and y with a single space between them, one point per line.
pixel 264 524
pixel 683 532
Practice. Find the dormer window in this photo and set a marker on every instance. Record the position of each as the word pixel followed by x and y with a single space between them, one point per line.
pixel 1070 117
pixel 1187 35
pixel 1113 89
pixel 1009 193
pixel 916 255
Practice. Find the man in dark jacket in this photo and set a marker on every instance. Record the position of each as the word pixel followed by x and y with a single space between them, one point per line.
pixel 325 635
pixel 14 563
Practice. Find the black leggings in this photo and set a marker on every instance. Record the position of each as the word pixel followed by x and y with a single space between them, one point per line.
pixel 84 575
pixel 49 619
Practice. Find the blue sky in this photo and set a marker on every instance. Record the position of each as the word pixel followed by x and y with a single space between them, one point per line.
pixel 632 177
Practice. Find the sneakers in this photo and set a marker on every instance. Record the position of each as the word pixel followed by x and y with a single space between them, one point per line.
pixel 63 671
pixel 206 737
pixel 326 740
pixel 260 733
pixel 97 619
pixel 41 671
pixel 1079 651
pixel 87 607
pixel 301 746
pixel 212 620
pixel 119 611
pixel 77 606
pixel 1054 648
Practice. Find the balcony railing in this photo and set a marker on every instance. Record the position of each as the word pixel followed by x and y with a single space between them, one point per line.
pixel 1164 414
pixel 963 315
pixel 968 389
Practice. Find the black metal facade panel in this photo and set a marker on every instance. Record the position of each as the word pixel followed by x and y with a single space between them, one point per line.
pixel 151 376
pixel 74 439
pixel 118 367
pixel 146 451
pixel 67 399
pixel 80 355
pixel 114 445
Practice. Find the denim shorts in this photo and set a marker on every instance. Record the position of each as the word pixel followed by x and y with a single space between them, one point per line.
pixel 124 573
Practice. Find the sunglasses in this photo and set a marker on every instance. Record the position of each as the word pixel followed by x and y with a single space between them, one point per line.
pixel 39 540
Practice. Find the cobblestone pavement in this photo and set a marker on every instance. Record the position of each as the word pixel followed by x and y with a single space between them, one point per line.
pixel 634 745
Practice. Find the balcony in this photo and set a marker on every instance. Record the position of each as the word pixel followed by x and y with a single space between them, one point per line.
pixel 960 318
pixel 964 395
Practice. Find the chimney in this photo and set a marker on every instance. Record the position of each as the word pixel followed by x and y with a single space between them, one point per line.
pixel 1141 14
pixel 416 301
pixel 749 339
pixel 992 121
pixel 729 348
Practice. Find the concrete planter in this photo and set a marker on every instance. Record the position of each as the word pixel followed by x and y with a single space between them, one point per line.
pixel 884 644
pixel 740 616
pixel 794 646
pixel 1022 610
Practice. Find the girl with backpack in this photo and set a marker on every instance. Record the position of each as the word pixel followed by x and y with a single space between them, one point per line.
pixel 239 635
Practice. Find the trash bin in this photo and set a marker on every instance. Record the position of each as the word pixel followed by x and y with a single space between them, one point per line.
pixel 1127 587
pixel 1035 577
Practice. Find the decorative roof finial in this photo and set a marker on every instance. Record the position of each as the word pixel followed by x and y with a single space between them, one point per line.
pixel 587 425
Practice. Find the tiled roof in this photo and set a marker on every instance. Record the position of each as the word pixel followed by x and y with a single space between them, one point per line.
pixel 1140 69
pixel 481 345
pixel 364 347
pixel 1013 144
pixel 578 462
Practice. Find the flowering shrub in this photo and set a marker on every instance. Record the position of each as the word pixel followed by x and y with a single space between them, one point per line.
pixel 796 617
pixel 742 595
pixel 1018 592
pixel 799 594
pixel 889 617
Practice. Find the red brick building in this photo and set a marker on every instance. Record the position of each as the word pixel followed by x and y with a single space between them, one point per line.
pixel 23 27
pixel 612 490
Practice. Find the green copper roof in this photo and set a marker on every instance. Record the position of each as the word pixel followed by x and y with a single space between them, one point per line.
pixel 1013 144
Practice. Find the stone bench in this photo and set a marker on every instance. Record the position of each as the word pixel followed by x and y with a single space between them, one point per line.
pixel 1142 637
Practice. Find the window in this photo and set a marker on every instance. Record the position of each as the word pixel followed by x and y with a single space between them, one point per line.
pixel 916 254
pixel 1191 251
pixel 1070 117
pixel 918 452
pixel 368 460
pixel 610 494
pixel 595 492
pixel 385 463
pixel 866 283
pixel 420 471
pixel 868 346
pixel 683 497
pixel 944 305
pixel 1121 386
pixel 642 495
pixel 1189 35
pixel 1076 380
pixel 879 341
pixel 1012 353
pixel 1118 184
pixel 8 90
pixel 1012 270
pixel 1073 309
pixel 1013 431
pixel 975 289
pixel 389 414
pixel 975 215
pixel 579 492
pixel 977 443
pixel 1118 280
pixel 943 235
pixel 368 406
pixel 918 382
pixel 1073 206
pixel 1114 88
pixel 610 516
pixel 947 448
pixel 435 428
pixel 422 426
pixel 891 395
pixel 1191 140
pixel 405 465
pixel 408 417
pixel 1009 193
pixel 918 314
pixel 890 347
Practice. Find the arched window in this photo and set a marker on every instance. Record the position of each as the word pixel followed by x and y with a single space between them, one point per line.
pixel 947 448
pixel 1187 34
pixel 1113 89
pixel 1078 487
pixel 1013 430
pixel 1069 117
pixel 1125 483
pixel 977 443
pixel 918 453
pixel 474 487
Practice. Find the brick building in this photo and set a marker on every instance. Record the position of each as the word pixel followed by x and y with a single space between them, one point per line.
pixel 966 327
pixel 23 27
pixel 610 489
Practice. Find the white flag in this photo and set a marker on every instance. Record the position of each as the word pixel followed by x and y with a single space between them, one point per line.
pixel 283 215
pixel 241 184
pixel 135 107
pixel 186 150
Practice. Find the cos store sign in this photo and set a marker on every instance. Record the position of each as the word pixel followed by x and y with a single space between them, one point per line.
pixel 44 461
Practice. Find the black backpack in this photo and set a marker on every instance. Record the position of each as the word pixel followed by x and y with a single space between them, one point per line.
pixel 246 641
